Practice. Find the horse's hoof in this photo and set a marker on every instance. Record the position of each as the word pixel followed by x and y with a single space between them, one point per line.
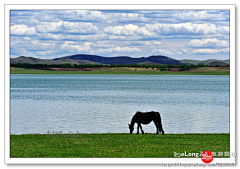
pixel 137 133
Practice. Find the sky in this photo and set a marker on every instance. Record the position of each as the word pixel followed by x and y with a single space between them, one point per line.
pixel 178 34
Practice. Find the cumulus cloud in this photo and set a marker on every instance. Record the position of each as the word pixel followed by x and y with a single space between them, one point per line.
pixel 31 44
pixel 102 44
pixel 123 38
pixel 167 51
pixel 119 50
pixel 182 28
pixel 65 26
pixel 208 43
pixel 128 17
pixel 49 26
pixel 23 52
pixel 36 45
pixel 202 15
pixel 121 30
pixel 87 15
pixel 45 53
pixel 69 37
pixel 74 47
pixel 223 29
pixel 131 32
pixel 126 49
pixel 172 51
pixel 127 30
pixel 22 30
pixel 105 16
pixel 159 29
pixel 150 44
pixel 210 51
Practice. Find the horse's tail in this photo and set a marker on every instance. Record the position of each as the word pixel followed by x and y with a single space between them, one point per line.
pixel 160 124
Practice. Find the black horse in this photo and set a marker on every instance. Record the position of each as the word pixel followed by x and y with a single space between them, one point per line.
pixel 146 118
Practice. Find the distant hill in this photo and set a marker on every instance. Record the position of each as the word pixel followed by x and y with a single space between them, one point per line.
pixel 94 59
pixel 210 62
pixel 24 59
pixel 123 59
pixel 32 60
pixel 218 63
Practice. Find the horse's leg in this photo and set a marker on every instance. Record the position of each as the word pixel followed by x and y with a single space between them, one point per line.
pixel 160 125
pixel 141 128
pixel 156 124
pixel 138 128
pixel 160 128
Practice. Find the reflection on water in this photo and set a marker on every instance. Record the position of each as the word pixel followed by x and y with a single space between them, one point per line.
pixel 106 103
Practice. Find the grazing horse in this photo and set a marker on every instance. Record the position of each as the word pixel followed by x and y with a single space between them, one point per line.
pixel 146 118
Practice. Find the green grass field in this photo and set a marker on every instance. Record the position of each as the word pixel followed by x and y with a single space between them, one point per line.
pixel 115 145
pixel 126 70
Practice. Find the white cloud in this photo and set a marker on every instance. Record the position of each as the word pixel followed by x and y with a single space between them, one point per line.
pixel 102 44
pixel 45 53
pixel 192 15
pixel 34 21
pixel 70 37
pixel 119 50
pixel 202 15
pixel 172 51
pixel 49 26
pixel 80 27
pixel 185 51
pixel 156 42
pixel 129 17
pixel 65 26
pixel 127 30
pixel 159 29
pixel 30 44
pixel 74 47
pixel 126 49
pixel 223 29
pixel 167 51
pixel 124 38
pixel 23 30
pixel 181 28
pixel 208 43
pixel 25 52
pixel 121 30
pixel 224 51
pixel 150 44
pixel 88 15
pixel 106 17
pixel 36 45
pixel 210 51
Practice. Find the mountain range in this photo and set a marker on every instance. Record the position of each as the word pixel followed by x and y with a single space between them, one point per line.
pixel 94 59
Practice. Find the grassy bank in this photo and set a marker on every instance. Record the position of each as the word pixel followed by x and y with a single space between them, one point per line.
pixel 126 70
pixel 116 145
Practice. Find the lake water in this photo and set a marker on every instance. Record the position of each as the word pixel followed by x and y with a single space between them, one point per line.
pixel 106 103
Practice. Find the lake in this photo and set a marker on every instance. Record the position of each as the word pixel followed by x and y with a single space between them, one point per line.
pixel 106 103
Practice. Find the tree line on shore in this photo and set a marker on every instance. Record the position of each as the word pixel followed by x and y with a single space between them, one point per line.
pixel 68 65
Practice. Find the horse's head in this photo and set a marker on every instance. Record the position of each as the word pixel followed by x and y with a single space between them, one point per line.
pixel 131 128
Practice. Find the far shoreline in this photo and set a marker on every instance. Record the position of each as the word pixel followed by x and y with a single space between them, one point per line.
pixel 125 71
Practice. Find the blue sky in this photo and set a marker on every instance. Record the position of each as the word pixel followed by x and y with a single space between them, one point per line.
pixel 179 34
